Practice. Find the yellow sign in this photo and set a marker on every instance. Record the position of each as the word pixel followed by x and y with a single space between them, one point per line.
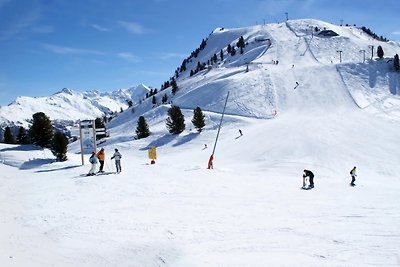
pixel 152 153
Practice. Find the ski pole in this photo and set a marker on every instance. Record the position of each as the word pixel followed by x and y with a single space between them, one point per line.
pixel 108 167
pixel 112 167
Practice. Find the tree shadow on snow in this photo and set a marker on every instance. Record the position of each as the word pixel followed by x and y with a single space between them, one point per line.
pixel 168 138
pixel 20 148
pixel 34 163
pixel 162 141
pixel 186 138
pixel 60 169
pixel 394 83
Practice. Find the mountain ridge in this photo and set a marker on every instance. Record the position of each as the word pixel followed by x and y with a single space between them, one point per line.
pixel 277 72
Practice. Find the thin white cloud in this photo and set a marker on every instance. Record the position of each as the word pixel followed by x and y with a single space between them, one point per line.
pixel 70 50
pixel 129 57
pixel 396 33
pixel 132 27
pixel 100 28
pixel 22 23
pixel 43 29
pixel 167 56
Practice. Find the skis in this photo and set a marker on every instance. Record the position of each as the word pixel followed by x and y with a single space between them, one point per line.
pixel 306 188
pixel 105 173
pixel 98 174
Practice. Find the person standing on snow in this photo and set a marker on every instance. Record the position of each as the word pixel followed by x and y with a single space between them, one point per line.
pixel 101 156
pixel 353 176
pixel 117 156
pixel 93 161
pixel 309 174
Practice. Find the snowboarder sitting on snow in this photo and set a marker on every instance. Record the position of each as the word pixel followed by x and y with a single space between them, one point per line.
pixel 309 174
pixel 93 161
pixel 353 176
pixel 101 156
pixel 117 156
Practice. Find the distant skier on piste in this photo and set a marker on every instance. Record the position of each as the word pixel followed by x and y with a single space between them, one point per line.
pixel 353 176
pixel 310 175
pixel 93 162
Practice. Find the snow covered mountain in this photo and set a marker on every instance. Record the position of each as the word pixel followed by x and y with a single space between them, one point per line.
pixel 68 106
pixel 300 103
pixel 287 67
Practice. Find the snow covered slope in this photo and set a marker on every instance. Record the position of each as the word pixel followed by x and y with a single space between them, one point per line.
pixel 287 67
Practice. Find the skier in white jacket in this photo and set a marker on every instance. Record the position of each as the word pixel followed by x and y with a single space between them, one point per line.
pixel 117 156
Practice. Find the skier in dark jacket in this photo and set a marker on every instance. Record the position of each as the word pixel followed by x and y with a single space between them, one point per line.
pixel 309 174
pixel 93 162
pixel 353 176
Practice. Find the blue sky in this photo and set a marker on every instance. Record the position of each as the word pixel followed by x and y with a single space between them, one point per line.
pixel 46 45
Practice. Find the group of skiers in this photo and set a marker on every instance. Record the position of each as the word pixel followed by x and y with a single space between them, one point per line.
pixel 310 175
pixel 101 157
pixel 117 156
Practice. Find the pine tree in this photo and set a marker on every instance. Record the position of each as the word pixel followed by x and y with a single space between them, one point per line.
pixel 176 121
pixel 8 136
pixel 241 44
pixel 154 100
pixel 99 123
pixel 233 51
pixel 164 99
pixel 59 145
pixel 396 62
pixel 379 51
pixel 22 137
pixel 229 48
pixel 41 131
pixel 142 129
pixel 174 87
pixel 198 119
pixel 221 55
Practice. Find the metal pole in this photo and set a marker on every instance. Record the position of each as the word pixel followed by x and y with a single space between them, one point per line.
pixel 340 55
pixel 363 51
pixel 94 136
pixel 372 51
pixel 81 141
pixel 219 128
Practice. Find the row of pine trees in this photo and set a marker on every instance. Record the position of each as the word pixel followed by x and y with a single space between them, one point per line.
pixel 175 122
pixel 41 134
